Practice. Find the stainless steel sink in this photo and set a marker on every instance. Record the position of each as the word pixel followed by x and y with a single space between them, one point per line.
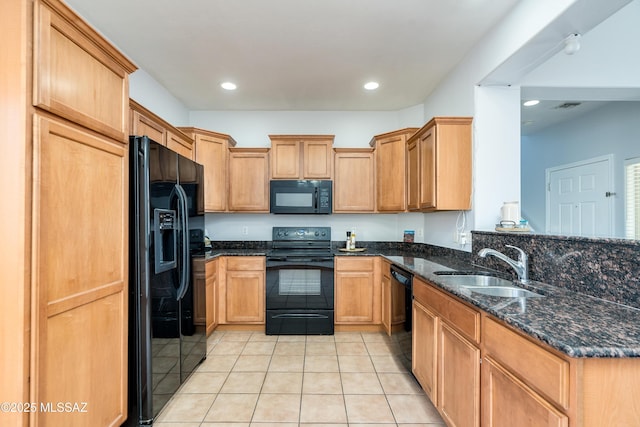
pixel 474 280
pixel 486 285
pixel 503 292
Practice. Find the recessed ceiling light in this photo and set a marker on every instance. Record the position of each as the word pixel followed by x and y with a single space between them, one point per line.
pixel 371 85
pixel 531 103
pixel 228 86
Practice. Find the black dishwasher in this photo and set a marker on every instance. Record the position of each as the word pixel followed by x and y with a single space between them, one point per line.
pixel 403 278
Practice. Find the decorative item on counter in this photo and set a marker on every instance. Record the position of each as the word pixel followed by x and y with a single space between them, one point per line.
pixel 351 243
pixel 510 220
pixel 409 236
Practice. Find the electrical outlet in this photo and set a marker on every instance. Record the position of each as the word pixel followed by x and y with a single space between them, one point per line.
pixel 456 237
pixel 420 232
pixel 462 238
pixel 245 230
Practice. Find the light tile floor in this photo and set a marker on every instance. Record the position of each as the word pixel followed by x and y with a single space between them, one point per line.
pixel 253 380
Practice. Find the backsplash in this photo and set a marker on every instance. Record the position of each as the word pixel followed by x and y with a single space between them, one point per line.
pixel 603 268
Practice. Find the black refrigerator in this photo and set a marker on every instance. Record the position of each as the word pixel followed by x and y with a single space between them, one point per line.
pixel 166 200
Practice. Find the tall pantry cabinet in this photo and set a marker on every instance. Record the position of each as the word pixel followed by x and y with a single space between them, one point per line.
pixel 64 121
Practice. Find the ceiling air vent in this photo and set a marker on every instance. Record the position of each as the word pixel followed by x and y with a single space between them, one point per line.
pixel 567 105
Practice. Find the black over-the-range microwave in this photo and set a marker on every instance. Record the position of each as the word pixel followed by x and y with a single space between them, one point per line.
pixel 300 196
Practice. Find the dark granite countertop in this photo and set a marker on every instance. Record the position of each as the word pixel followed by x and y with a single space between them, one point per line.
pixel 576 324
pixel 573 323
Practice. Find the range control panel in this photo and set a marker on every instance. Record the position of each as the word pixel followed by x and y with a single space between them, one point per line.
pixel 301 233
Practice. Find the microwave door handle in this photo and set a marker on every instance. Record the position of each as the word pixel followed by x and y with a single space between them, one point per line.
pixel 315 199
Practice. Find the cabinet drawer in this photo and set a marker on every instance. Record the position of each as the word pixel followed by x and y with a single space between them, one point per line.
pixel 245 263
pixel 465 319
pixel 354 264
pixel 543 371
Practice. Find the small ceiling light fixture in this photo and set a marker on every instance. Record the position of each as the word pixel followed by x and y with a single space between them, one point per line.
pixel 572 43
pixel 531 103
pixel 228 86
pixel 371 85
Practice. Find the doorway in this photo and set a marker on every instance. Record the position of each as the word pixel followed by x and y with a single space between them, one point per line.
pixel 579 198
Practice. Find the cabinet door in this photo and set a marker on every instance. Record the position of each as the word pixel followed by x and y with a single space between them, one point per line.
pixel 249 180
pixel 386 299
pixel 458 379
pixel 354 297
pixel 354 181
pixel 211 270
pixel 424 349
pixel 391 174
pixel 80 271
pixel 245 296
pixel 427 168
pixel 509 402
pixel 413 176
pixel 199 292
pixel 213 154
pixel 77 77
pixel 142 125
pixel 180 143
pixel 317 160
pixel 285 159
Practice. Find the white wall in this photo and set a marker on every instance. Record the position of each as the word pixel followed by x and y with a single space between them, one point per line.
pixel 379 227
pixel 611 129
pixel 145 90
pixel 351 128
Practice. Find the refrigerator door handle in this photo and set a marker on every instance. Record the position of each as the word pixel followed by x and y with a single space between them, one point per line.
pixel 184 226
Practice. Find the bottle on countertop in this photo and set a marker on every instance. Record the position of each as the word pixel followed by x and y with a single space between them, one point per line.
pixel 353 240
pixel 348 245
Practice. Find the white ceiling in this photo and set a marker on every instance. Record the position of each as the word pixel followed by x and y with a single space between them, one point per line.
pixel 295 54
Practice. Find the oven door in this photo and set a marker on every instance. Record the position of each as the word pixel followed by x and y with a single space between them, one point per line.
pixel 299 296
pixel 299 283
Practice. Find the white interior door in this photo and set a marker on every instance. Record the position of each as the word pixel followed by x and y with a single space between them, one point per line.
pixel 579 201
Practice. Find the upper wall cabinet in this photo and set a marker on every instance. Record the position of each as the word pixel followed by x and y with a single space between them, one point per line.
pixel 301 156
pixel 439 159
pixel 249 179
pixel 145 122
pixel 77 77
pixel 353 185
pixel 212 151
pixel 391 170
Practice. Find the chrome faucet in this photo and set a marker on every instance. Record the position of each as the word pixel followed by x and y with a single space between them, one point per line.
pixel 521 266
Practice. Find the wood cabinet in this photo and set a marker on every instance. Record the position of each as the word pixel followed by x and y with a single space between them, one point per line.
pixel 75 74
pixel 393 300
pixel 391 169
pixel 446 338
pixel 249 179
pixel 242 294
pixel 301 156
pixel 354 179
pixel 439 162
pixel 212 151
pixel 76 252
pixel 424 357
pixel 357 290
pixel 144 122
pixel 204 293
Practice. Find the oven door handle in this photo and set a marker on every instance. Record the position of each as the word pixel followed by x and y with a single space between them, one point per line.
pixel 299 316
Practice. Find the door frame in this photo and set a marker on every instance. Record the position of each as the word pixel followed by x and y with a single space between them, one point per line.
pixel 609 158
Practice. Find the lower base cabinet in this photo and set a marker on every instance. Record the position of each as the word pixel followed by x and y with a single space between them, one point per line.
pixel 357 290
pixel 471 364
pixel 242 293
pixel 446 354
pixel 509 402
